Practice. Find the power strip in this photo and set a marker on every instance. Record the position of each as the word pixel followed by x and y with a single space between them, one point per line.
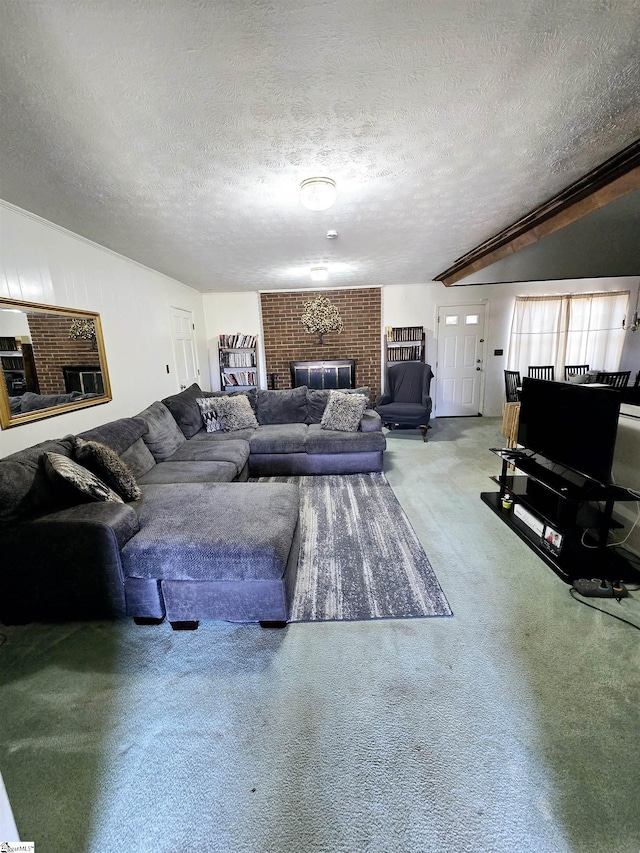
pixel 596 588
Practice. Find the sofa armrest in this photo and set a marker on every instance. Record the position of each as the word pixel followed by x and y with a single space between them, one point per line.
pixel 95 517
pixel 370 421
pixel 384 399
pixel 66 565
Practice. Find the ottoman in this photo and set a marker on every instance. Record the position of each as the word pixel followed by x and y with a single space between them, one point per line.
pixel 218 550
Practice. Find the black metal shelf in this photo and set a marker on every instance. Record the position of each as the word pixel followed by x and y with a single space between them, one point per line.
pixel 564 502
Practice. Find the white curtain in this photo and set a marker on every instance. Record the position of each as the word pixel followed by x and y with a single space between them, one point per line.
pixel 584 328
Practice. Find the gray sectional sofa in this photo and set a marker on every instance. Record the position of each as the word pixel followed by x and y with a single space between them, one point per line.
pixel 199 542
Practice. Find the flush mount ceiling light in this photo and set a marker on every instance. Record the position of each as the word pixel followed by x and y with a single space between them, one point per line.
pixel 319 273
pixel 318 193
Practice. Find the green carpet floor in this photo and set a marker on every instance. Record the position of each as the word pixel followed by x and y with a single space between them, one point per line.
pixel 513 727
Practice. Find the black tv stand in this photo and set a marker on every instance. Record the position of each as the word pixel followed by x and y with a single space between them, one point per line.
pixel 554 513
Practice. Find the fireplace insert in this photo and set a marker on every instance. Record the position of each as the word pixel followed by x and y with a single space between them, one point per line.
pixel 84 378
pixel 340 373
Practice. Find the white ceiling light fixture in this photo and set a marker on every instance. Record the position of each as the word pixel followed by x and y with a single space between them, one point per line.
pixel 318 193
pixel 319 273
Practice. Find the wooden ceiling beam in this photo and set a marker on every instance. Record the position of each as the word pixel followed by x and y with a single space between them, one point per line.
pixel 614 178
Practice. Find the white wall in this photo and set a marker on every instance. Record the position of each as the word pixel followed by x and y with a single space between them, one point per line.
pixel 226 314
pixel 41 262
pixel 14 325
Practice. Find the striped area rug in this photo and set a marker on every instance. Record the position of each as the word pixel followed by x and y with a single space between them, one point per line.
pixel 359 556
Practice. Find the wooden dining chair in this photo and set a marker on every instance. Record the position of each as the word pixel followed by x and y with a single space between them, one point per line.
pixel 537 371
pixel 575 370
pixel 617 379
pixel 512 382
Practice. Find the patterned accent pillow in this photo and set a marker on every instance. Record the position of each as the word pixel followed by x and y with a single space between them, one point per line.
pixel 234 412
pixel 60 468
pixel 207 406
pixel 343 411
pixel 106 464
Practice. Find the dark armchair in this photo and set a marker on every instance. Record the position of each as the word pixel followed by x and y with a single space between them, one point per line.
pixel 406 401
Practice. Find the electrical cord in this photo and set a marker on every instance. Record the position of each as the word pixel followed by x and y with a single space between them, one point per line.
pixel 616 543
pixel 600 610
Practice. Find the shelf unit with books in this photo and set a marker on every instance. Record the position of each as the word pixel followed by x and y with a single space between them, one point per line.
pixel 404 343
pixel 12 366
pixel 237 361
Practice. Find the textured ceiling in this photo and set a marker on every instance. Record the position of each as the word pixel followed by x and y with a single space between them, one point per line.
pixel 176 132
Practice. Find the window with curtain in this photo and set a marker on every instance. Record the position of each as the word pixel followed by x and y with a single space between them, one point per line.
pixel 581 328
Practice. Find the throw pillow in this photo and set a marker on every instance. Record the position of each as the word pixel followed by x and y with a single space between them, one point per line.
pixel 234 413
pixel 343 411
pixel 251 394
pixel 61 469
pixel 106 464
pixel 317 400
pixel 208 413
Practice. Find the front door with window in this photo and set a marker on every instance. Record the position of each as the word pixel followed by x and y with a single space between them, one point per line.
pixel 460 364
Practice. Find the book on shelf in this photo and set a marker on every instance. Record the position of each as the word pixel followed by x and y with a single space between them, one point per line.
pixel 238 359
pixel 10 362
pixel 399 353
pixel 239 377
pixel 237 341
pixel 401 334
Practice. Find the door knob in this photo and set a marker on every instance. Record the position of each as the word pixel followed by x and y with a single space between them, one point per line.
pixel 182 387
pixel 478 368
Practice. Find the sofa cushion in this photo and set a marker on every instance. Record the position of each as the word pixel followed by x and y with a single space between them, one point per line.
pixel 108 466
pixel 164 436
pixel 343 411
pixel 191 472
pixel 63 470
pixel 279 438
pixel 236 452
pixel 118 435
pixel 288 406
pixel 139 459
pixel 334 441
pixel 204 437
pixel 211 544
pixel 234 413
pixel 185 410
pixel 317 401
pixel 25 488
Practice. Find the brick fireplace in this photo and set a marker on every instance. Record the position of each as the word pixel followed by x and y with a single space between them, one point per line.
pixel 286 340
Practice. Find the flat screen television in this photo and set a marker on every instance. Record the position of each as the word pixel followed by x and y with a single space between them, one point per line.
pixel 571 425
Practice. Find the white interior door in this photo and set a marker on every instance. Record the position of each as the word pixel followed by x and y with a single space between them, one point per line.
pixel 460 363
pixel 182 332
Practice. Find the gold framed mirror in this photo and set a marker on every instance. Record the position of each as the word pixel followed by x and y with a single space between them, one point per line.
pixel 52 361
